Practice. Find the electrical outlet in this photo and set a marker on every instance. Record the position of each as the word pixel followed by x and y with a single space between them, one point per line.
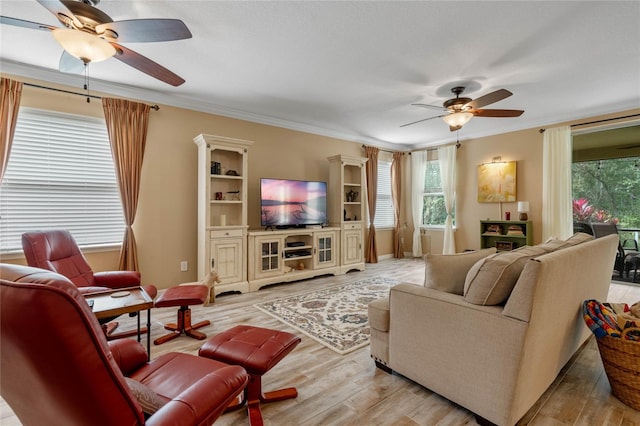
pixel 184 266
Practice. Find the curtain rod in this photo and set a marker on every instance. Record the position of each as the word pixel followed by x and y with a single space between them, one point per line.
pixel 457 145
pixel 384 150
pixel 409 153
pixel 86 95
pixel 599 121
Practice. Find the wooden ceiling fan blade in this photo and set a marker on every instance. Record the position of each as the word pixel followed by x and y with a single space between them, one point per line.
pixel 147 30
pixel 58 8
pixel 488 99
pixel 146 65
pixel 92 15
pixel 70 64
pixel 25 24
pixel 420 121
pixel 439 108
pixel 497 112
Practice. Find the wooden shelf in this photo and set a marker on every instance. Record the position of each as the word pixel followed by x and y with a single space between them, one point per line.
pixel 491 239
pixel 222 211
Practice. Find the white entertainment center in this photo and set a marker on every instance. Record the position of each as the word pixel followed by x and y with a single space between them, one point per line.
pixel 285 255
pixel 247 260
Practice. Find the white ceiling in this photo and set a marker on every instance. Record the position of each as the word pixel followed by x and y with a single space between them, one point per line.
pixel 352 69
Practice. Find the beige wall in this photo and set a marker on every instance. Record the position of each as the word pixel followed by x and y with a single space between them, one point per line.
pixel 165 226
pixel 524 147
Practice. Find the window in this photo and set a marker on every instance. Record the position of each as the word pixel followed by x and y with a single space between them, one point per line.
pixel 607 190
pixel 385 215
pixel 434 213
pixel 60 175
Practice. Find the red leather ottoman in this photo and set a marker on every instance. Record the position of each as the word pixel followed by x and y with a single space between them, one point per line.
pixel 183 296
pixel 258 350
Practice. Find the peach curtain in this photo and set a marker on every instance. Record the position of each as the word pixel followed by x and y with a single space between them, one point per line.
pixel 127 124
pixel 10 93
pixel 371 254
pixel 396 196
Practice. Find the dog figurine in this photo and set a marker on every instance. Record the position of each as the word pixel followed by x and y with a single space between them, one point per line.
pixel 209 280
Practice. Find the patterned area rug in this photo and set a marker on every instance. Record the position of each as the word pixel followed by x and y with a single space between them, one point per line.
pixel 334 316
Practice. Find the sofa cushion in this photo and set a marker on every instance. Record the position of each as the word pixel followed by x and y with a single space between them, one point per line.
pixel 491 280
pixel 447 272
pixel 578 238
pixel 379 314
pixel 553 244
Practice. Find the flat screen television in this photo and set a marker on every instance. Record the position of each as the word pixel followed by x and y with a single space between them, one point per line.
pixel 286 203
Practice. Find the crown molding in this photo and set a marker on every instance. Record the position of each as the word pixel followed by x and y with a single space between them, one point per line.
pixel 131 92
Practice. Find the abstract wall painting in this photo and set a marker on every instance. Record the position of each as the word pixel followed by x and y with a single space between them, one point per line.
pixel 497 182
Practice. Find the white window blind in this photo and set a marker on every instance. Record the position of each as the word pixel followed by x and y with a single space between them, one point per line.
pixel 60 176
pixel 385 216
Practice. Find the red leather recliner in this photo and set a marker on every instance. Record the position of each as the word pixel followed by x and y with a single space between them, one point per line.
pixel 58 368
pixel 57 251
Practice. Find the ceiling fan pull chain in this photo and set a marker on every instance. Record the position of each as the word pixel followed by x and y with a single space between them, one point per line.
pixel 86 81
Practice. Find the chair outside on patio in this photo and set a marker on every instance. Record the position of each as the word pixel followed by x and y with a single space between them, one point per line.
pixel 582 227
pixel 627 249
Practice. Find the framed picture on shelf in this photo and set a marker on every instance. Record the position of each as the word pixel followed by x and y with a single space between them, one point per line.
pixel 505 245
pixel 493 228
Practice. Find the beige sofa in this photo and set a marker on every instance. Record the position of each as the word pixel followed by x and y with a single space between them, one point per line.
pixel 492 349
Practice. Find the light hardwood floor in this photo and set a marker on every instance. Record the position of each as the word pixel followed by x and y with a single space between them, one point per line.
pixel 348 390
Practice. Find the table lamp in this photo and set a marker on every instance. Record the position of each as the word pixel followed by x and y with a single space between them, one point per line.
pixel 523 209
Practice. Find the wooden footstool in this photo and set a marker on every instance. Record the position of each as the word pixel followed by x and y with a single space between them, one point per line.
pixel 258 350
pixel 183 296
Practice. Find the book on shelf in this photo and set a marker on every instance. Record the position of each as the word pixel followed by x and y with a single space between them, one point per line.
pixel 515 230
pixel 505 245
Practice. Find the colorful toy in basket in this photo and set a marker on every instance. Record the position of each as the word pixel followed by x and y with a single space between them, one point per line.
pixel 612 319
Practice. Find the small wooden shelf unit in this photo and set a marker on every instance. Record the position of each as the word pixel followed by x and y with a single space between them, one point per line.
pixel 505 234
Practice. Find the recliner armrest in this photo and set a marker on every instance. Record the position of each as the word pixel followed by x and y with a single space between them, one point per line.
pixel 206 398
pixel 128 354
pixel 117 279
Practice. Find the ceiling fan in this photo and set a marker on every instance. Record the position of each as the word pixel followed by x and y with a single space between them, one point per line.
pixel 461 110
pixel 90 35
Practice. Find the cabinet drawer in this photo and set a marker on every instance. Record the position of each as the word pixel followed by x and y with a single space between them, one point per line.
pixel 352 226
pixel 226 233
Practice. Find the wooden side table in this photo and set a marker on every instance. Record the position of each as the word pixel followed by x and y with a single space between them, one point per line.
pixel 113 303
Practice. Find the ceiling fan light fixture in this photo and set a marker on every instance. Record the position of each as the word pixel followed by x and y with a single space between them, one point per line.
pixel 84 46
pixel 457 119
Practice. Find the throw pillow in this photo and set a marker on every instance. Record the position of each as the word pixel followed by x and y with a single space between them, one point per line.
pixel 148 399
pixel 491 280
pixel 553 244
pixel 578 238
pixel 447 272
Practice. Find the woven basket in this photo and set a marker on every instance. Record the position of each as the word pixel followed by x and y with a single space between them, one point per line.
pixel 621 359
